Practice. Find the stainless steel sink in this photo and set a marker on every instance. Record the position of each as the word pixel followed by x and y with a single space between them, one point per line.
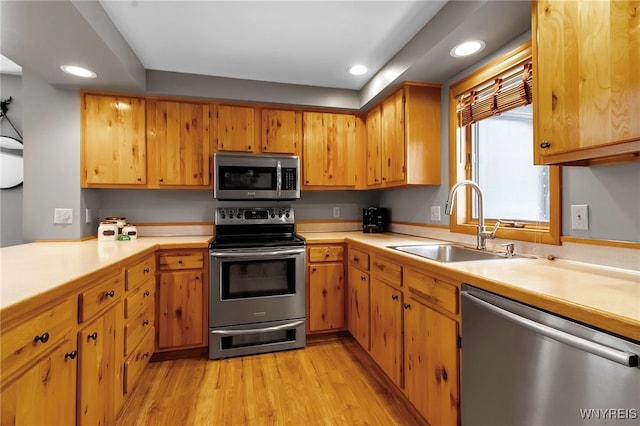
pixel 449 252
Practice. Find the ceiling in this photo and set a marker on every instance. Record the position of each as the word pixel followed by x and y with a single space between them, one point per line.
pixel 304 42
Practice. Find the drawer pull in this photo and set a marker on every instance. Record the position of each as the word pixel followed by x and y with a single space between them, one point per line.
pixel 72 355
pixel 394 297
pixel 145 322
pixel 545 144
pixel 93 336
pixel 146 293
pixel 313 270
pixel 355 259
pixel 146 270
pixel 407 306
pixel 44 338
pixel 363 278
pixel 111 293
pixel 327 254
pixel 145 355
pixel 180 261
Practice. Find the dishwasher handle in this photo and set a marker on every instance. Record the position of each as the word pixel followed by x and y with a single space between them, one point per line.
pixel 625 358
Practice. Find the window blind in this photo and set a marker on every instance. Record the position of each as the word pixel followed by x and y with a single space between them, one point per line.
pixel 510 90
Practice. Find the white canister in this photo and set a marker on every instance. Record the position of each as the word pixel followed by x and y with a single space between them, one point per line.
pixel 107 231
pixel 119 220
pixel 131 231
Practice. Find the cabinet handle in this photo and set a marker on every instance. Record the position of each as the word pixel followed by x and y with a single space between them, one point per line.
pixel 180 262
pixel 161 180
pixel 407 306
pixel 145 322
pixel 146 270
pixel 394 297
pixel 146 293
pixel 313 269
pixel 139 179
pixel 44 338
pixel 93 336
pixel 73 354
pixel 355 259
pixel 363 278
pixel 111 293
pixel 545 144
pixel 249 147
pixel 197 278
pixel 146 354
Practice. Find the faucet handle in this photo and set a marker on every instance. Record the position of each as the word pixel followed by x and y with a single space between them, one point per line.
pixel 510 247
pixel 495 228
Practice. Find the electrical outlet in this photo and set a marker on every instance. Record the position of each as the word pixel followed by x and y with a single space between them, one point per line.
pixel 336 212
pixel 580 217
pixel 64 216
pixel 435 213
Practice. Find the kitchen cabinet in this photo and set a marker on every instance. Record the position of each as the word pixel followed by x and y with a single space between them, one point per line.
pixel 328 150
pixel 281 131
pixel 386 328
pixel 403 137
pixel 325 288
pixel 358 288
pixel 113 147
pixel 235 128
pixel 182 300
pixel 586 82
pixel 178 143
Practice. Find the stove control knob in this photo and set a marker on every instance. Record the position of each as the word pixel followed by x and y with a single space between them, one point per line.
pixel 273 215
pixel 287 215
pixel 238 215
pixel 280 213
pixel 223 215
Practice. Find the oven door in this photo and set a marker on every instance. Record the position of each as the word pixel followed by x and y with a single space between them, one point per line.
pixel 252 285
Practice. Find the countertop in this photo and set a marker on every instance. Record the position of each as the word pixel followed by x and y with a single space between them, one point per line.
pixel 28 270
pixel 607 298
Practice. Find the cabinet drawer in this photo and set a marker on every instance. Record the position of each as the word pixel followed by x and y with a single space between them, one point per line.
pixel 136 328
pixel 432 290
pixel 98 297
pixel 326 253
pixel 388 269
pixel 359 259
pixel 181 261
pixel 138 360
pixel 138 273
pixel 36 336
pixel 139 298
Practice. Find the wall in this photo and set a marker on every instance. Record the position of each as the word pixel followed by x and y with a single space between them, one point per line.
pixel 11 199
pixel 611 192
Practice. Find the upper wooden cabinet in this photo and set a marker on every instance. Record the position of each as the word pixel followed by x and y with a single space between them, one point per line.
pixel 328 149
pixel 178 139
pixel 281 131
pixel 113 148
pixel 586 81
pixel 403 137
pixel 235 128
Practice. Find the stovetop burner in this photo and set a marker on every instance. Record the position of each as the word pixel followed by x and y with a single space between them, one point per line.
pixel 255 227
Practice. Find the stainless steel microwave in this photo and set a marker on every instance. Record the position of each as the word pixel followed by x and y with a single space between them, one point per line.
pixel 256 177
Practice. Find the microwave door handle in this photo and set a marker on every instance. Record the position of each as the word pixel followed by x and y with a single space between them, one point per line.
pixel 278 178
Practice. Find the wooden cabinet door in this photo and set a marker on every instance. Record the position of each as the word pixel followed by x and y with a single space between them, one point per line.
pixel 326 296
pixel 374 142
pixel 98 369
pixel 415 355
pixel 46 393
pixel 235 128
pixel 587 79
pixel 181 300
pixel 386 329
pixel 179 139
pixel 393 138
pixel 358 306
pixel 114 140
pixel 329 149
pixel 281 131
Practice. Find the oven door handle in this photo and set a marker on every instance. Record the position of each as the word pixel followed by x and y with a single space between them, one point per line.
pixel 227 255
pixel 258 330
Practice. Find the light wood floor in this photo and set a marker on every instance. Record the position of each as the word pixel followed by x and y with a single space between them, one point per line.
pixel 326 383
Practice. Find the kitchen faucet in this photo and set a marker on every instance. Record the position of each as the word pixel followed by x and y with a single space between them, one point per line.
pixel 482 230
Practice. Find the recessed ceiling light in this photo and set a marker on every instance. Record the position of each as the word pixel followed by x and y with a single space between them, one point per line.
pixel 78 71
pixel 357 70
pixel 467 48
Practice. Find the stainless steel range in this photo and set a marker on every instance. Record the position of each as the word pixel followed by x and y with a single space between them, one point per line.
pixel 257 282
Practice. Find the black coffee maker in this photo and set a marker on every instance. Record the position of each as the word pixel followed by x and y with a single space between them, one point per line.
pixel 374 219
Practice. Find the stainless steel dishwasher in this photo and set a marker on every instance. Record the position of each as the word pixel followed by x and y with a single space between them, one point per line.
pixel 524 366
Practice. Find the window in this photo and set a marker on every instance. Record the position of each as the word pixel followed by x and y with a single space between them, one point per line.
pixel 491 143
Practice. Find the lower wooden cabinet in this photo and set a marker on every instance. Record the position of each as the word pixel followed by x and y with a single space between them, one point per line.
pixel 45 393
pixel 358 306
pixel 99 366
pixel 386 329
pixel 182 300
pixel 325 288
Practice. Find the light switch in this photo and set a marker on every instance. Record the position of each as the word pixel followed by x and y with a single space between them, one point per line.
pixel 580 217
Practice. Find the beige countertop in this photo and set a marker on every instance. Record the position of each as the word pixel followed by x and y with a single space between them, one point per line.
pixel 27 270
pixel 607 298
